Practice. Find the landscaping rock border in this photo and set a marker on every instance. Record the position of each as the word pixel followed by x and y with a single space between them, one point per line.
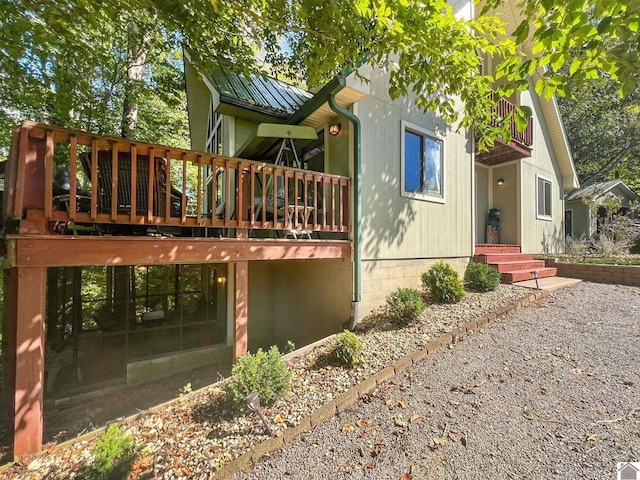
pixel 345 400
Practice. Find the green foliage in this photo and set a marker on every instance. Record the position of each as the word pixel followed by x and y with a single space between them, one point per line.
pixel 405 305
pixel 481 277
pixel 443 284
pixel 113 455
pixel 577 246
pixel 635 244
pixel 262 372
pixel 89 64
pixel 289 347
pixel 347 348
pixel 602 128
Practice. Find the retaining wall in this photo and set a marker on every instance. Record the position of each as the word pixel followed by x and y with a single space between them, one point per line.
pixel 619 274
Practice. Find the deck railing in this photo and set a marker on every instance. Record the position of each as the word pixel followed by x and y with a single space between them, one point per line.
pixel 55 174
pixel 501 110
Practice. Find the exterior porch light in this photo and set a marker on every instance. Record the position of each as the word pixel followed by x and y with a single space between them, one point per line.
pixel 335 128
pixel 253 403
pixel 500 182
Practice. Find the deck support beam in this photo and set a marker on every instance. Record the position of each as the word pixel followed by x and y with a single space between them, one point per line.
pixel 241 309
pixel 25 303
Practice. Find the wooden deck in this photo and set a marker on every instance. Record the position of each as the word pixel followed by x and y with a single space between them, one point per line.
pixel 521 141
pixel 131 188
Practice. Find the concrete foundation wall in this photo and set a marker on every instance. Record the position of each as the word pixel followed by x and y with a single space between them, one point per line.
pixel 380 278
pixel 297 300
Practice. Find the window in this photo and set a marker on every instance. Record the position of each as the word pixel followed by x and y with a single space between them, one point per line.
pixel 544 198
pixel 422 164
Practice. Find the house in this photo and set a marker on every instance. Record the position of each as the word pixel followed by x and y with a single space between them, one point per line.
pixel 580 220
pixel 628 471
pixel 294 215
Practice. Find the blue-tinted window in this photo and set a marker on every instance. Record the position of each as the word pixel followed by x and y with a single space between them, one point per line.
pixel 422 164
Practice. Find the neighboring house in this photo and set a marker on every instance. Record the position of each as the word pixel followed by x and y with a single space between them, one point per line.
pixel 201 255
pixel 579 219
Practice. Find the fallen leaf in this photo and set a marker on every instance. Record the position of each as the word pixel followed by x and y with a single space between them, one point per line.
pixel 415 417
pixel 528 414
pixel 592 438
pixel 627 382
pixel 279 418
pixel 145 462
pixel 399 422
pixel 186 472
pixel 576 371
pixel 406 476
pixel 362 422
pixel 497 410
pixel 480 384
pixel 370 466
pixel 400 404
pixel 453 437
pixel 361 451
pixel 348 428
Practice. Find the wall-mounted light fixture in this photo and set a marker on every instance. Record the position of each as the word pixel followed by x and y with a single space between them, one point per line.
pixel 500 182
pixel 334 129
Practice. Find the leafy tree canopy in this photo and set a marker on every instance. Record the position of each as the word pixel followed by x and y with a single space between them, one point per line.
pixel 603 129
pixel 63 61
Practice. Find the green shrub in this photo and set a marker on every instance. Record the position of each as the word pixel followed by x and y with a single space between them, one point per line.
pixel 405 306
pixel 443 284
pixel 481 277
pixel 113 455
pixel 264 372
pixel 635 244
pixel 347 348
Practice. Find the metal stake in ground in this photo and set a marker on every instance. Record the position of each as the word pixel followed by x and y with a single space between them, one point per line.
pixel 253 403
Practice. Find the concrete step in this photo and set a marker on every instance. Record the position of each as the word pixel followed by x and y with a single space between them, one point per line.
pixel 496 248
pixel 521 275
pixel 504 267
pixel 501 257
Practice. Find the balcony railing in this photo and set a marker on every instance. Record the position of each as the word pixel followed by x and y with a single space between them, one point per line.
pixel 60 175
pixel 521 141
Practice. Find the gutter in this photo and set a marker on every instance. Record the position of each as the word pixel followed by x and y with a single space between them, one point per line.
pixel 357 209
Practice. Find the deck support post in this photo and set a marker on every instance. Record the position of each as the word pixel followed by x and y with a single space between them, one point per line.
pixel 25 304
pixel 241 309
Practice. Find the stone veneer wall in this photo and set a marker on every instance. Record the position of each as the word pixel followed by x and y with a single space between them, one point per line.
pixel 621 274
pixel 381 277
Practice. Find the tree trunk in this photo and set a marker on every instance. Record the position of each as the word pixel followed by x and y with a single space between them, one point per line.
pixel 136 58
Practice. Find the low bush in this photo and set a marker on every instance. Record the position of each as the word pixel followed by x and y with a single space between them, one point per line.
pixel 405 305
pixel 443 284
pixel 262 372
pixel 347 348
pixel 481 277
pixel 113 455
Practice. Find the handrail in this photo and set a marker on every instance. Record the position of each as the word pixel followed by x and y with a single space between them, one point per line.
pixel 119 181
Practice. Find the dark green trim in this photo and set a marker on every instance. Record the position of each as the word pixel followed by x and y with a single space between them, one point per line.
pixel 357 188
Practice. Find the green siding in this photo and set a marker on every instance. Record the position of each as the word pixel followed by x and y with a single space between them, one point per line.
pixel 396 227
pixel 198 100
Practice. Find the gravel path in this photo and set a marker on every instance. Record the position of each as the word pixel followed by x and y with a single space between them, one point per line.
pixel 550 392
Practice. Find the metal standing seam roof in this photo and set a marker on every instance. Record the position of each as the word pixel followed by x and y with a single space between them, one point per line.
pixel 260 93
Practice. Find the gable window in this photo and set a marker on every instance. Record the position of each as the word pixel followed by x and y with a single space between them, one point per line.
pixel 543 194
pixel 422 164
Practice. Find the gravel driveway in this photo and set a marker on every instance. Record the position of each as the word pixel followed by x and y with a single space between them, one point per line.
pixel 550 392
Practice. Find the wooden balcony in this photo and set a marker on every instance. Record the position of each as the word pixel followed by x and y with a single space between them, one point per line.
pixel 518 147
pixel 64 181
